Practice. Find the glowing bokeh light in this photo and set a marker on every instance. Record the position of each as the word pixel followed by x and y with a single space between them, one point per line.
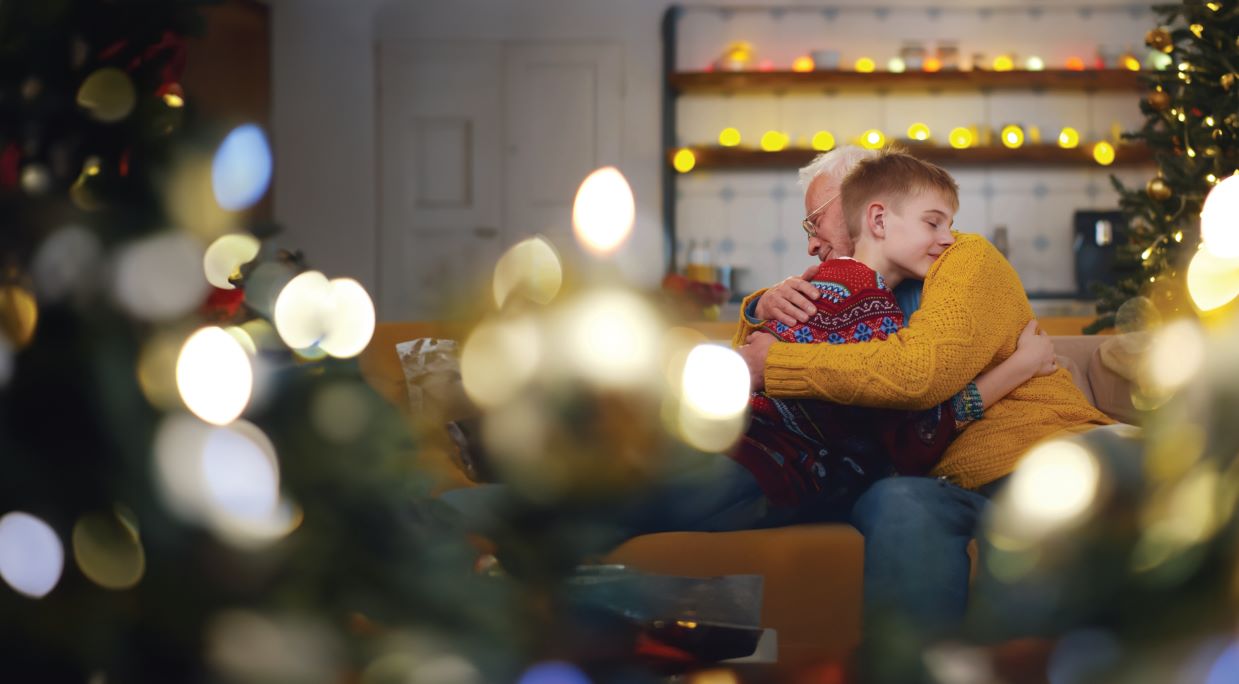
pixel 1012 136
pixel 1034 63
pixel 1068 138
pixel 241 170
pixel 715 381
pixel 918 131
pixel 531 269
pixel 1003 63
pixel 932 65
pixel 802 64
pixel 214 376
pixel 225 256
pixel 1055 483
pixel 684 160
pixel 896 65
pixel 1103 153
pixel 347 319
pixel 107 94
pixel 31 555
pixel 872 139
pixel 865 65
pixel 1131 63
pixel 773 141
pixel 498 359
pixel 961 138
pixel 1219 219
pixel 341 412
pixel 65 264
pixel 603 212
pixel 729 137
pixel 159 278
pixel 108 551
pixel 240 474
pixel 1212 281
pixel 1075 64
pixel 823 141
pixel 553 672
pixel 298 309
pixel 611 338
pixel 1175 355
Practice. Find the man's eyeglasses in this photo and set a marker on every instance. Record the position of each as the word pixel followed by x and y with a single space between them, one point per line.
pixel 810 225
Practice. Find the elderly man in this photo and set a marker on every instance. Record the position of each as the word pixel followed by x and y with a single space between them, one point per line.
pixel 969 313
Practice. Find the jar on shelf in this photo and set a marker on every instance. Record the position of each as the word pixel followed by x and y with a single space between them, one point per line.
pixel 913 55
pixel 948 55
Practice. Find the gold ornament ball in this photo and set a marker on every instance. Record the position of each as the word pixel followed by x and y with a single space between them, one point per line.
pixel 1159 100
pixel 1228 80
pixel 1158 189
pixel 1159 39
pixel 19 314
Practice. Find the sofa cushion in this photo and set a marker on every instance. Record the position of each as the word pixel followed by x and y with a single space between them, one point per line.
pixel 1077 376
pixel 1111 391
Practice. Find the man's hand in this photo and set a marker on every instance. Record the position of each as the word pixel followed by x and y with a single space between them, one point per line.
pixel 791 301
pixel 754 354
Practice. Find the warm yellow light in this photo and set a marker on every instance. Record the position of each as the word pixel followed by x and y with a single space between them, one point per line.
pixel 1012 136
pixel 1211 178
pixel 1215 6
pixel 1178 236
pixel 1035 63
pixel 802 64
pixel 714 390
pixel 297 309
pixel 173 100
pixel 773 141
pixel 1054 484
pixel 684 160
pixel 872 139
pixel 932 64
pixel 499 359
pixel 225 256
pixel 1209 121
pixel 961 138
pixel 531 269
pixel 1068 138
pixel 214 376
pixel 1003 63
pixel 92 166
pixel 729 137
pixel 1191 152
pixel 1175 355
pixel 1212 281
pixel 603 213
pixel 896 65
pixel 1075 64
pixel 1219 217
pixel 108 550
pixel 865 65
pixel 1131 63
pixel 348 319
pixel 1148 252
pixel 1103 153
pixel 918 131
pixel 611 338
pixel 823 141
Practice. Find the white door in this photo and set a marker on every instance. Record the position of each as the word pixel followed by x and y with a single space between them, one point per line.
pixel 482 144
pixel 563 106
pixel 440 195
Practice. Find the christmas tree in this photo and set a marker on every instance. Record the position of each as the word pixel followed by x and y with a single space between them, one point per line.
pixel 1192 127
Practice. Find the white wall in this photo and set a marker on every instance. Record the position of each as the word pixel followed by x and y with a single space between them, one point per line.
pixel 324 98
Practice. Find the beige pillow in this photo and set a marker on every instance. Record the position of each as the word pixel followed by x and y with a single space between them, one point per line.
pixel 1111 391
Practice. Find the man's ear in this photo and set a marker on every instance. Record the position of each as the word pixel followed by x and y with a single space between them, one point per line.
pixel 875 219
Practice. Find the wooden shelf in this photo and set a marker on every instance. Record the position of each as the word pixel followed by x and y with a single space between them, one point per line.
pixel 706 82
pixel 723 158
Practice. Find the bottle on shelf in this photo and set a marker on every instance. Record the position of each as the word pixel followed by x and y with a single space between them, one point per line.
pixel 700 267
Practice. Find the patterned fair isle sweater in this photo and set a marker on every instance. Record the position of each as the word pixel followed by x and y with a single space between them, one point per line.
pixel 973 308
pixel 803 451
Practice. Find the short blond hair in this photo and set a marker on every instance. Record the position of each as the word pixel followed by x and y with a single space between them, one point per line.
pixel 892 176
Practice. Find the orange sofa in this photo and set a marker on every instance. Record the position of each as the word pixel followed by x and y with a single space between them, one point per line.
pixel 816 621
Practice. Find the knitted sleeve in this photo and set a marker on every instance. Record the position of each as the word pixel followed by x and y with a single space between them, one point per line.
pixel 747 327
pixel 972 309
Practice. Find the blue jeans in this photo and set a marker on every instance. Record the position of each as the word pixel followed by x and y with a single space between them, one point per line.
pixel 917 531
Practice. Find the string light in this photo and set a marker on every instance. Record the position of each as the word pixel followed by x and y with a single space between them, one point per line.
pixel 802 64
pixel 1103 153
pixel 961 138
pixel 1075 64
pixel 1131 63
pixel 1208 121
pixel 918 131
pixel 1012 136
pixel 1003 63
pixel 1035 63
pixel 865 65
pixel 1068 138
pixel 896 65
pixel 932 65
pixel 823 141
pixel 773 141
pixel 729 137
pixel 872 139
pixel 684 160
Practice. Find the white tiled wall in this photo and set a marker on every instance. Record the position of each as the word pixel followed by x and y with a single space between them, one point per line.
pixel 751 218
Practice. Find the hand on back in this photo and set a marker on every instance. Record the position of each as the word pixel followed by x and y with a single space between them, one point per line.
pixel 791 301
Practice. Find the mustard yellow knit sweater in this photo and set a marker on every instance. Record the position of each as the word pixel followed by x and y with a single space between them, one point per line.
pixel 973 308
